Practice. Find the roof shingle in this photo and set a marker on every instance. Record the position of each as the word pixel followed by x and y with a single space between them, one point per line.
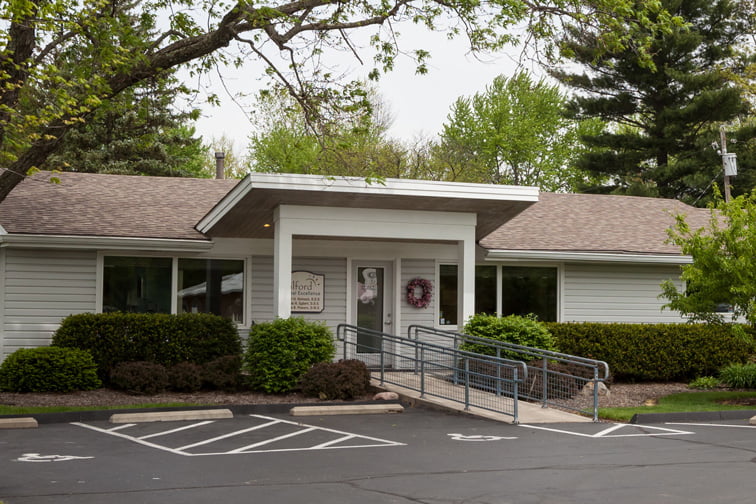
pixel 595 223
pixel 85 204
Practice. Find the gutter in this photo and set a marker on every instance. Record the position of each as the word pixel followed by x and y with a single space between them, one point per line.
pixel 103 242
pixel 601 257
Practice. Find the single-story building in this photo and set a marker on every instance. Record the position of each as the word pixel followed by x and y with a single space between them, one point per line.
pixel 327 248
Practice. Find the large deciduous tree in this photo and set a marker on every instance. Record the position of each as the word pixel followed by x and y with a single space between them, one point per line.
pixel 661 122
pixel 111 54
pixel 723 271
pixel 514 132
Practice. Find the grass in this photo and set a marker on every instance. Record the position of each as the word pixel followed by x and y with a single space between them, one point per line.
pixel 31 410
pixel 682 402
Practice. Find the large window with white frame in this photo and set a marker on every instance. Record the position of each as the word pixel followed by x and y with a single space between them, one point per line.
pixel 146 285
pixel 524 290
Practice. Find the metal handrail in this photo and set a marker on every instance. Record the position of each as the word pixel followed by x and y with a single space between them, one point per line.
pixel 453 363
pixel 598 369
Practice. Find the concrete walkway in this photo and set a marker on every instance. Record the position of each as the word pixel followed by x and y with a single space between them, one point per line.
pixel 528 413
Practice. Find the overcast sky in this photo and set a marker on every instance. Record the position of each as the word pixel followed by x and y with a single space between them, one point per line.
pixel 419 104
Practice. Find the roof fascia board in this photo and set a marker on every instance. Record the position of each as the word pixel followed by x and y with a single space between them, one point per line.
pixel 103 242
pixel 228 202
pixel 602 257
pixel 393 187
pixel 358 185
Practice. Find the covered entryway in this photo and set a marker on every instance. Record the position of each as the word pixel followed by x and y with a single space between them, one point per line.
pixel 299 209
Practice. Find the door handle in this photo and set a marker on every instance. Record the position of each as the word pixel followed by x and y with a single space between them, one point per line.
pixel 387 321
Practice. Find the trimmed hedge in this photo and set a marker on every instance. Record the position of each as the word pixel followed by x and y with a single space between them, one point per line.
pixel 656 352
pixel 525 331
pixel 165 339
pixel 48 369
pixel 280 352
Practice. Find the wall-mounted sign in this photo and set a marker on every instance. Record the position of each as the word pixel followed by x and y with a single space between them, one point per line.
pixel 307 292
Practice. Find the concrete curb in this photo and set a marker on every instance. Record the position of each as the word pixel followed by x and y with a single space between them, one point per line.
pixel 18 423
pixel 105 414
pixel 171 416
pixel 346 409
pixel 692 416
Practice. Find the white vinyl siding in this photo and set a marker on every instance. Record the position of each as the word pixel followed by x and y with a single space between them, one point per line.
pixel 42 287
pixel 616 293
pixel 262 289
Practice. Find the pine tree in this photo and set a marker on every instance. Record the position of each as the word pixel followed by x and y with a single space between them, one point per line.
pixel 662 120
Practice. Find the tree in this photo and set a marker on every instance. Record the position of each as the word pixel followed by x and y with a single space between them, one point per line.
pixel 352 143
pixel 136 133
pixel 512 133
pixel 723 271
pixel 660 124
pixel 42 39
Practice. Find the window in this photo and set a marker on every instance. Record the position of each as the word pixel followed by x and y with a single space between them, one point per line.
pixel 137 284
pixel 144 285
pixel 485 289
pixel 529 290
pixel 211 286
pixel 447 294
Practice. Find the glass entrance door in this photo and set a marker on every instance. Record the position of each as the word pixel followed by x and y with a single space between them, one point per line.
pixel 372 295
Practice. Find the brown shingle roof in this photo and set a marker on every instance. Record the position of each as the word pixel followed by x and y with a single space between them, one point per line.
pixel 86 204
pixel 594 223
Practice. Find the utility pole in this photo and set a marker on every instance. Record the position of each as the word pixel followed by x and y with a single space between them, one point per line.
pixel 729 163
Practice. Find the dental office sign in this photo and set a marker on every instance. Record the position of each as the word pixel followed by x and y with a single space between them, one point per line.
pixel 307 292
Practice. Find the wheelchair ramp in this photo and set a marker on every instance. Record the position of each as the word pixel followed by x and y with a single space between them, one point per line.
pixel 527 412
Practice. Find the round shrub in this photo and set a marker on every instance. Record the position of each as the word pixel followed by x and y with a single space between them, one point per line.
pixel 280 352
pixel 223 373
pixel 139 377
pixel 739 375
pixel 185 377
pixel 525 331
pixel 345 379
pixel 49 369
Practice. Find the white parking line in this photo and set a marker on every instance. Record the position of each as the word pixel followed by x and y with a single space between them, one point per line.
pixel 607 433
pixel 712 425
pixel 230 434
pixel 272 440
pixel 343 437
pixel 178 429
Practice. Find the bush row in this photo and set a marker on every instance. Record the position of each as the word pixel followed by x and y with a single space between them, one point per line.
pixel 142 377
pixel 656 352
pixel 164 339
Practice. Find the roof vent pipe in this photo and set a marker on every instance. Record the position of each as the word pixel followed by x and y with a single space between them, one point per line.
pixel 220 167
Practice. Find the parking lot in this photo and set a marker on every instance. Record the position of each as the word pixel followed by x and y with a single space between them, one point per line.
pixel 420 456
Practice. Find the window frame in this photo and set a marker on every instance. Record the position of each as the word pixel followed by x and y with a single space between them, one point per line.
pixel 437 305
pixel 559 267
pixel 247 275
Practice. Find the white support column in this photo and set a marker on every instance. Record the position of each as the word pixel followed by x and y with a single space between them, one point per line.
pixel 466 278
pixel 282 251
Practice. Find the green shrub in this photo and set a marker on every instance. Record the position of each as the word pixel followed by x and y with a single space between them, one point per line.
pixel 525 331
pixel 223 373
pixel 739 375
pixel 704 383
pixel 48 369
pixel 345 379
pixel 185 377
pixel 139 377
pixel 280 352
pixel 165 339
pixel 656 352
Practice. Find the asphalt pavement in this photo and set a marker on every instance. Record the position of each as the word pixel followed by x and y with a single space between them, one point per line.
pixel 418 456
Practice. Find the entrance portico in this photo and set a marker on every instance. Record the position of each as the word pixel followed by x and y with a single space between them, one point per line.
pixel 286 207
